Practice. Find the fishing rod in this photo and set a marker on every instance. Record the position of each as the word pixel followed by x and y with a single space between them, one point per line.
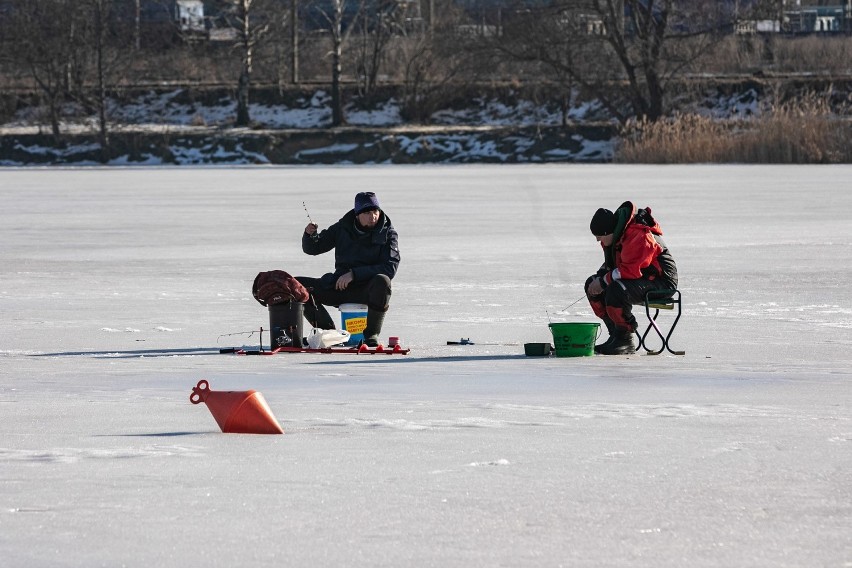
pixel 315 236
pixel 467 341
pixel 248 333
pixel 309 215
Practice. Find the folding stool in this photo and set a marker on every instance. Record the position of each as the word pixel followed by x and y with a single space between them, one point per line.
pixel 660 300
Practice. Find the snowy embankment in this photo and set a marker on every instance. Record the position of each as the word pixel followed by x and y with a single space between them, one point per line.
pixel 121 284
pixel 158 129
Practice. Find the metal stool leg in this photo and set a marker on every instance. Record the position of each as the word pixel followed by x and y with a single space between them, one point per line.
pixel 661 299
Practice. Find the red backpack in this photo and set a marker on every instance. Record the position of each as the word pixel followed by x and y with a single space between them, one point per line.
pixel 277 287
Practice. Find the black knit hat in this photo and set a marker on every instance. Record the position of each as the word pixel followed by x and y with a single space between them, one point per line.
pixel 366 201
pixel 603 223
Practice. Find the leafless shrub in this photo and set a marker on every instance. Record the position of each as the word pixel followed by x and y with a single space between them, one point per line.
pixel 436 67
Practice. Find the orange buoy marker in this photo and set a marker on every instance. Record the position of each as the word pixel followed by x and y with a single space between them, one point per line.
pixel 237 412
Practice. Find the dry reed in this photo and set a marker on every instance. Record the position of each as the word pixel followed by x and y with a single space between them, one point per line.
pixel 801 132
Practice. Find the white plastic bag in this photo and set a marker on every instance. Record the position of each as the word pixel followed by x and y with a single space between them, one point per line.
pixel 322 338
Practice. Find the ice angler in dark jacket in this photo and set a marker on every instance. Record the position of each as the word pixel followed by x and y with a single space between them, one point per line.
pixel 366 258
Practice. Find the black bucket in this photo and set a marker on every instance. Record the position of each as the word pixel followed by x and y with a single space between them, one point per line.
pixel 285 324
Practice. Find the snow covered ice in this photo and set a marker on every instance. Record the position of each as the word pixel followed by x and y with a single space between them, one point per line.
pixel 119 286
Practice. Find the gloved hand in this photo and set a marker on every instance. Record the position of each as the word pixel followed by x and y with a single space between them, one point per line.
pixel 596 287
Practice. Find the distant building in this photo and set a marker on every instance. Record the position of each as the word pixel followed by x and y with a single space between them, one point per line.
pixel 795 17
pixel 748 27
pixel 186 17
pixel 817 16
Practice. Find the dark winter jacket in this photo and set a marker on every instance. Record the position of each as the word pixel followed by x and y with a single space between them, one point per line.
pixel 638 249
pixel 366 252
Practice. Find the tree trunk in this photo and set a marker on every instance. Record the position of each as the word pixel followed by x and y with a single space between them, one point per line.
pixel 336 65
pixel 54 116
pixel 655 97
pixel 137 31
pixel 294 39
pixel 243 116
pixel 100 31
pixel 244 84
pixel 336 98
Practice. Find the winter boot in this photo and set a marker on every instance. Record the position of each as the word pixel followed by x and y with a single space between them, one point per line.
pixel 621 343
pixel 610 327
pixel 375 320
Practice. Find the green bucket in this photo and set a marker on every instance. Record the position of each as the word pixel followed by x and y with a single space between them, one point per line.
pixel 574 339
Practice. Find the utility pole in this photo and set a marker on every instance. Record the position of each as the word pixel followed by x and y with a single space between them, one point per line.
pixel 294 41
pixel 138 30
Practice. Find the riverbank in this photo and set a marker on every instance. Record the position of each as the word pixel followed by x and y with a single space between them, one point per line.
pixel 487 125
pixel 352 145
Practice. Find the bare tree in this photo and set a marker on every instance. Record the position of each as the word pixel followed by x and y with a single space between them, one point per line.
pixel 100 11
pixel 599 44
pixel 425 77
pixel 437 66
pixel 42 33
pixel 380 22
pixel 105 46
pixel 283 40
pixel 294 41
pixel 337 38
pixel 338 19
pixel 250 25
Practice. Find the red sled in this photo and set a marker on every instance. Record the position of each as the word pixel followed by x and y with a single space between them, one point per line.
pixel 361 350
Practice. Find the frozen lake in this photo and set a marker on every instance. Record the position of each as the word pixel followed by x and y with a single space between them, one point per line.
pixel 119 286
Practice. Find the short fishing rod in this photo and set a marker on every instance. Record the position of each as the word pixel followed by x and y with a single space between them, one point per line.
pixel 315 236
pixel 309 215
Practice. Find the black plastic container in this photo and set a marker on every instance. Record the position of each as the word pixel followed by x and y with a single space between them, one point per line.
pixel 285 324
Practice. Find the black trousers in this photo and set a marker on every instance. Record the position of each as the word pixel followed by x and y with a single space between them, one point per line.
pixel 617 300
pixel 375 293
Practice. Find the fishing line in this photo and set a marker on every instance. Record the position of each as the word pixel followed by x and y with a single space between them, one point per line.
pixel 568 306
